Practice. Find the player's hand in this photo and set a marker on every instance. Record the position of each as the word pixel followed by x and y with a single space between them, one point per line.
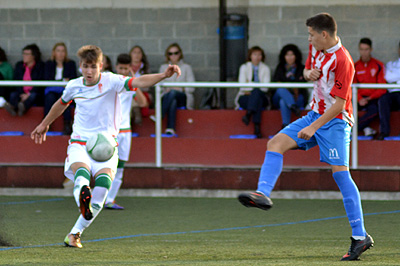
pixel 306 133
pixel 39 134
pixel 314 74
pixel 171 70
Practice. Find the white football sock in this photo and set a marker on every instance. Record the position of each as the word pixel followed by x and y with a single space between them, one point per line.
pixel 358 237
pixel 99 194
pixel 115 186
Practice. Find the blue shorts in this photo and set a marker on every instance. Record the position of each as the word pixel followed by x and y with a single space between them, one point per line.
pixel 333 138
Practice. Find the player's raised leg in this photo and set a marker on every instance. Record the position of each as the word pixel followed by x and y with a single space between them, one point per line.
pixel 102 185
pixel 269 174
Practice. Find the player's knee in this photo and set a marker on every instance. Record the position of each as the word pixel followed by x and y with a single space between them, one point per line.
pixel 274 144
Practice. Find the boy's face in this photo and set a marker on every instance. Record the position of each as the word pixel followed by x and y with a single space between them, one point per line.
pixel 123 69
pixel 316 39
pixel 365 52
pixel 91 71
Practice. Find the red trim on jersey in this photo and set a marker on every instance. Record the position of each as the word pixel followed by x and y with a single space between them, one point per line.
pixel 64 103
pixel 131 88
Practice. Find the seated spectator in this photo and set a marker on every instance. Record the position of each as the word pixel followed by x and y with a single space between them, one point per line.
pixel 107 64
pixel 174 98
pixel 30 68
pixel 6 73
pixel 140 66
pixel 289 69
pixel 61 68
pixel 368 70
pixel 255 99
pixel 389 101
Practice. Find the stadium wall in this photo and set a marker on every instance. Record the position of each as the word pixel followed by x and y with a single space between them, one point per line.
pixel 117 25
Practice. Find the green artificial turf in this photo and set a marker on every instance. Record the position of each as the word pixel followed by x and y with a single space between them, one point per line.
pixel 194 231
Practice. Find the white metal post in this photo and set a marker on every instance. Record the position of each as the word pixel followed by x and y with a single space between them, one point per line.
pixel 354 142
pixel 158 126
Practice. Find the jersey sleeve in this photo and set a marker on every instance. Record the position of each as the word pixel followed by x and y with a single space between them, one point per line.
pixel 122 83
pixel 344 74
pixel 308 61
pixel 67 97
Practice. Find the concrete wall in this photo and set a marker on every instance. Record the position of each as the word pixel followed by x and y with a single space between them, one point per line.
pixel 117 25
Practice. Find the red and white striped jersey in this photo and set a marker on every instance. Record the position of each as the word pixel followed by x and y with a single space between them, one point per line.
pixel 336 78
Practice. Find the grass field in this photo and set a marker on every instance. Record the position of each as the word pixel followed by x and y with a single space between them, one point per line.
pixel 194 231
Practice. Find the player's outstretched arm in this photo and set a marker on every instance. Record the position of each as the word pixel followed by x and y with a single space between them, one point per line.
pixel 149 80
pixel 39 133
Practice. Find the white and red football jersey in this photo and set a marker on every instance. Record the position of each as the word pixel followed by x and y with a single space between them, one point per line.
pixel 98 107
pixel 336 78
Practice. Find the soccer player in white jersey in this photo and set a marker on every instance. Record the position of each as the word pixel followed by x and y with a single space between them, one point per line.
pixel 97 100
pixel 124 138
pixel 328 125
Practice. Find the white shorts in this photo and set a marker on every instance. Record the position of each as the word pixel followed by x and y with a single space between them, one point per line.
pixel 76 153
pixel 124 145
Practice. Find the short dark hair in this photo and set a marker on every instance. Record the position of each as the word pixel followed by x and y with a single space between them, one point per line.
pixel 366 41
pixel 323 22
pixel 254 49
pixel 124 59
pixel 3 56
pixel 35 51
pixel 90 54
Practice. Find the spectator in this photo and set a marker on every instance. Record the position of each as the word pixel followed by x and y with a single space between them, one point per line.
pixel 61 68
pixel 140 66
pixel 107 64
pixel 254 100
pixel 6 73
pixel 174 98
pixel 368 70
pixel 30 68
pixel 389 101
pixel 289 69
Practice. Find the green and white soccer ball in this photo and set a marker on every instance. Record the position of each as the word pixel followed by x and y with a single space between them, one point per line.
pixel 101 147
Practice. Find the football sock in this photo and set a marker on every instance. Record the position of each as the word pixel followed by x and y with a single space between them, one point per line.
pixel 99 194
pixel 352 202
pixel 270 171
pixel 115 185
pixel 82 177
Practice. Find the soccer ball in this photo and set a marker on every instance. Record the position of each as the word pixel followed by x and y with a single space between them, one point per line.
pixel 101 147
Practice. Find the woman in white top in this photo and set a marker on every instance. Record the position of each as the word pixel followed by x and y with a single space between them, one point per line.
pixel 174 98
pixel 253 100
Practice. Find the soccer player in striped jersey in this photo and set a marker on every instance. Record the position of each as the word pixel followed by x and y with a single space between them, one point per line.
pixel 328 125
pixel 97 100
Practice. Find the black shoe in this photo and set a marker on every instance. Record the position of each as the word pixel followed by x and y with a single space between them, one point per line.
pixel 357 247
pixel 255 199
pixel 85 206
pixel 257 131
pixel 382 136
pixel 21 109
pixel 246 120
pixel 10 109
pixel 295 110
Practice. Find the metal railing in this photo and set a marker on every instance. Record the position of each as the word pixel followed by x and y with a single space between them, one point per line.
pixel 250 86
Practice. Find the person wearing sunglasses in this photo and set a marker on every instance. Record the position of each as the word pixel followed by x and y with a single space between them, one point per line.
pixel 174 98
